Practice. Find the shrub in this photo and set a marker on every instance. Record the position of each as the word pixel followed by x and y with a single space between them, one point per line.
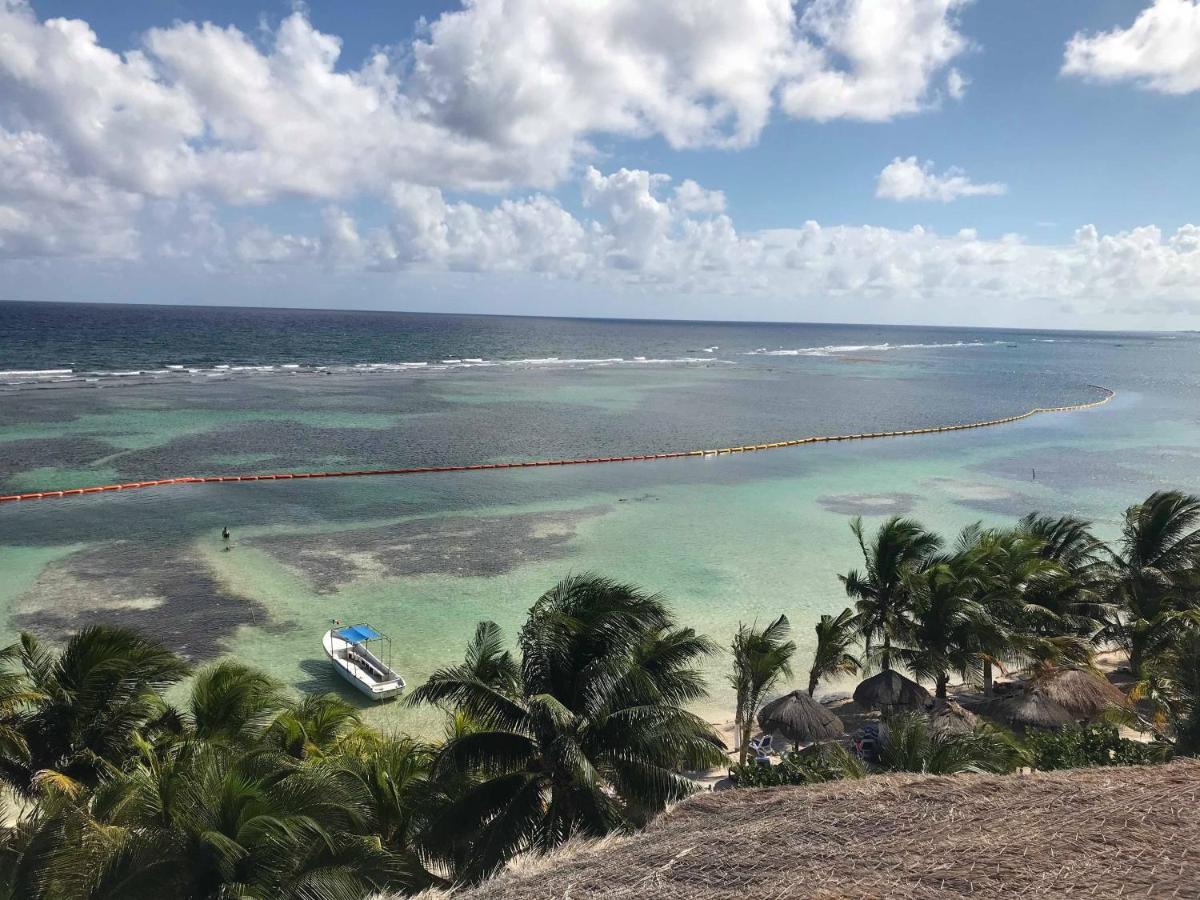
pixel 1091 745
pixel 829 762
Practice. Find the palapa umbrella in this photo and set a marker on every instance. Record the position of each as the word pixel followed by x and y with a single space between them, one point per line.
pixel 800 719
pixel 890 690
pixel 1084 694
pixel 950 717
pixel 1028 709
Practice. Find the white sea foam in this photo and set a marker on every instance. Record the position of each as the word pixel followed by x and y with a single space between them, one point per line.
pixel 18 377
pixel 834 349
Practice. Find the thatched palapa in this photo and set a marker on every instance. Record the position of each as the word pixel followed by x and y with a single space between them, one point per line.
pixel 950 717
pixel 1027 709
pixel 1108 832
pixel 800 719
pixel 889 690
pixel 1084 694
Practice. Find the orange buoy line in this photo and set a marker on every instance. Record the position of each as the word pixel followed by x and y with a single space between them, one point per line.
pixel 422 470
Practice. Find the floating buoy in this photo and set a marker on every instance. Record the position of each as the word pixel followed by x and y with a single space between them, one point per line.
pixel 795 442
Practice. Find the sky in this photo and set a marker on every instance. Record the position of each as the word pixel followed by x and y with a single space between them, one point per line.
pixel 1015 163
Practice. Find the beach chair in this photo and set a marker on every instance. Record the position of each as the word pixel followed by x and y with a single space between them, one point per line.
pixel 761 745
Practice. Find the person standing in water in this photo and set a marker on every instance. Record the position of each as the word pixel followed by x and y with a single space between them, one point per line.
pixel 225 536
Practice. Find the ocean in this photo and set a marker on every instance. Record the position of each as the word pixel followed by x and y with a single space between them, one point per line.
pixel 94 394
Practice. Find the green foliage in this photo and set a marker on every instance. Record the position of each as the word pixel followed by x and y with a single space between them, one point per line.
pixel 827 762
pixel 1153 578
pixel 245 790
pixel 836 636
pixel 1092 745
pixel 586 735
pixel 761 658
pixel 880 589
pixel 913 745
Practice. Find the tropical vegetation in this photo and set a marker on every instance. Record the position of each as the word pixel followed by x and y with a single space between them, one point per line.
pixel 126 772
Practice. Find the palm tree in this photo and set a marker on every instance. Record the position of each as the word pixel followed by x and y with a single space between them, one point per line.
pixel 234 704
pixel 946 630
pixel 761 657
pixel 394 775
pixel 588 738
pixel 899 547
pixel 1013 575
pixel 79 709
pixel 313 726
pixel 1170 684
pixel 1075 594
pixel 1154 575
pixel 214 821
pixel 835 636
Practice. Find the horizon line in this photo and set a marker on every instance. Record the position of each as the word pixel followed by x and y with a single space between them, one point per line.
pixel 586 318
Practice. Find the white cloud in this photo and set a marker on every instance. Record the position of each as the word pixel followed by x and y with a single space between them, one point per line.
pixel 639 237
pixel 875 61
pixel 501 93
pixel 1159 51
pixel 907 179
pixel 45 211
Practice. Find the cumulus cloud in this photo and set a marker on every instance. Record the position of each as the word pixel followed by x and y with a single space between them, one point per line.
pixel 501 93
pixel 875 61
pixel 637 234
pixel 47 211
pixel 1160 51
pixel 907 179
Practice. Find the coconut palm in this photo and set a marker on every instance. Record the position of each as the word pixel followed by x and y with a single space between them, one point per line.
pixel 761 658
pixel 313 726
pixel 393 773
pixel 946 630
pixel 1171 684
pixel 214 821
pixel 80 708
pixel 1154 575
pixel 835 637
pixel 1076 595
pixel 1012 574
pixel 588 739
pixel 880 591
pixel 234 704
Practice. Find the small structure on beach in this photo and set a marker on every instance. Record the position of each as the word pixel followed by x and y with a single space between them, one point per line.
pixel 950 717
pixel 1030 708
pixel 800 719
pixel 889 691
pixel 1084 694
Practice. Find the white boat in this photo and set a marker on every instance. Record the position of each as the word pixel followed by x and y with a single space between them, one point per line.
pixel 352 658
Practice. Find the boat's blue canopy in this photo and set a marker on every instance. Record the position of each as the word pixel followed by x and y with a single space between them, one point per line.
pixel 356 634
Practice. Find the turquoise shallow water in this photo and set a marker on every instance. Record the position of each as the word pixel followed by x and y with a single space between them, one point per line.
pixel 726 539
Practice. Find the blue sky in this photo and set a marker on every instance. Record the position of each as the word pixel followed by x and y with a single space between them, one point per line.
pixel 1003 163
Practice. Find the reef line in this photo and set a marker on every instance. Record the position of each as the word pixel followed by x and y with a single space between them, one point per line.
pixel 678 454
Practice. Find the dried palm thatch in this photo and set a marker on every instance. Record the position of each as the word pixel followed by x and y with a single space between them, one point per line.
pixel 1084 694
pixel 950 717
pixel 1028 709
pixel 800 719
pixel 1089 832
pixel 889 691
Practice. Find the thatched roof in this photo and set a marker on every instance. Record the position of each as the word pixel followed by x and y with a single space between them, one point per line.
pixel 1084 833
pixel 1084 694
pixel 800 719
pixel 950 717
pixel 889 690
pixel 1027 709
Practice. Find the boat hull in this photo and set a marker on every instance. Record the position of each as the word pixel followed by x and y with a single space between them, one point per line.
pixel 360 678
